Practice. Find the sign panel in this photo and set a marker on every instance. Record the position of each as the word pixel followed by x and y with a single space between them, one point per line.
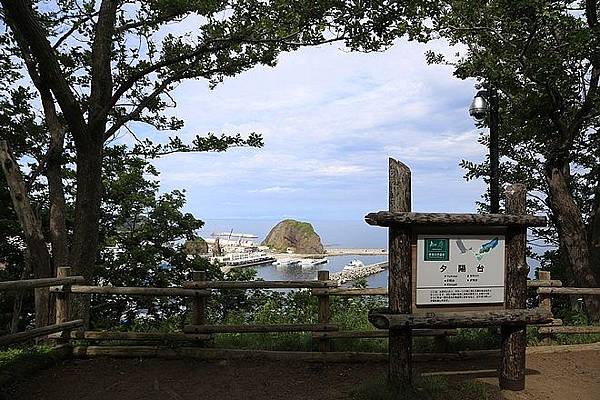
pixel 460 269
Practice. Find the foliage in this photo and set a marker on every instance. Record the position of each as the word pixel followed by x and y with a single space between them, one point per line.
pixel 77 73
pixel 143 233
pixel 543 58
pixel 19 362
pixel 11 252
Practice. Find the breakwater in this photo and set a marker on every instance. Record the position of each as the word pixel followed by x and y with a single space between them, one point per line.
pixel 357 273
pixel 334 252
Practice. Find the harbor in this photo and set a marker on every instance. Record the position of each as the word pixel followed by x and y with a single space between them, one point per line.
pixel 233 250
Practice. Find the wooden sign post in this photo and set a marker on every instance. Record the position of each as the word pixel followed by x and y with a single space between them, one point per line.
pixel 471 272
pixel 514 338
pixel 400 276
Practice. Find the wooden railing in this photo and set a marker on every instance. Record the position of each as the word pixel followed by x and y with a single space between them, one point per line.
pixel 63 324
pixel 545 302
pixel 199 289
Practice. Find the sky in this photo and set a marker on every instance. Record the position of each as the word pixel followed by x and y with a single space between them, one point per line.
pixel 330 119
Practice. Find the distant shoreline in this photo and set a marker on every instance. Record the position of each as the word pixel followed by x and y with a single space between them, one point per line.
pixel 333 252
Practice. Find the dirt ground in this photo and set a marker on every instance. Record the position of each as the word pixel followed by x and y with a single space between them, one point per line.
pixel 560 376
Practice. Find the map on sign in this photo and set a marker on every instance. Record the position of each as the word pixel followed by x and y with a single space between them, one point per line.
pixel 460 269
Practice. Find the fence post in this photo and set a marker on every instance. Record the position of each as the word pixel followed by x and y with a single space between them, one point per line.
pixel 545 303
pixel 400 277
pixel 514 338
pixel 62 304
pixel 199 302
pixel 324 312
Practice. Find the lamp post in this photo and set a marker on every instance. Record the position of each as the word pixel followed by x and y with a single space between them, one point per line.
pixel 485 104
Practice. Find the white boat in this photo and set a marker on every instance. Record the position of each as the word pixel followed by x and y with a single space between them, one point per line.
pixel 354 264
pixel 245 259
pixel 313 262
pixel 287 262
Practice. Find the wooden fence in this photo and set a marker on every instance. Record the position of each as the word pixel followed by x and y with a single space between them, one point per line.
pixel 62 324
pixel 198 290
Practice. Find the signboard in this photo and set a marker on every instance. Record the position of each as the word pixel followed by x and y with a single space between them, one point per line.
pixel 460 269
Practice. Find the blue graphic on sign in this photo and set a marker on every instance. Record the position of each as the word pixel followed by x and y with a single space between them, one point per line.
pixel 484 249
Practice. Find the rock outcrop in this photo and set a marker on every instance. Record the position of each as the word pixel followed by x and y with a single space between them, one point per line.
pixel 195 247
pixel 300 236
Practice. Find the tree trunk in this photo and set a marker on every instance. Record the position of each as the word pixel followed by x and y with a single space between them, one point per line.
pixel 568 279
pixel 58 228
pixel 18 304
pixel 572 232
pixel 87 216
pixel 32 229
pixel 594 234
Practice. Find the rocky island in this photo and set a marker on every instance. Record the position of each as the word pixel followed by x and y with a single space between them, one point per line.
pixel 300 236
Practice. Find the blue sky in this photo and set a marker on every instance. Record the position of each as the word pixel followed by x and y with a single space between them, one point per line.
pixel 330 120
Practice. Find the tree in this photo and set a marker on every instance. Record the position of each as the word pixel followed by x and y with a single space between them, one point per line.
pixel 544 57
pixel 142 234
pixel 99 67
pixel 12 259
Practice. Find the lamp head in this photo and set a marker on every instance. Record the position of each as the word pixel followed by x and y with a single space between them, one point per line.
pixel 479 106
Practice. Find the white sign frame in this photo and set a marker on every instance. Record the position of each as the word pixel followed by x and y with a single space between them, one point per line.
pixel 474 273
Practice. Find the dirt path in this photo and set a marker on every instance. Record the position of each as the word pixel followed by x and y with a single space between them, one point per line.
pixel 560 376
pixel 557 376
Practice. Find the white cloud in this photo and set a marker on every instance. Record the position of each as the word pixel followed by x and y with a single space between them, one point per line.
pixel 444 147
pixel 275 189
pixel 330 119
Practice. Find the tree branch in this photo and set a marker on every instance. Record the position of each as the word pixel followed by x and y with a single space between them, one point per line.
pixel 23 21
pixel 73 28
pixel 586 108
pixel 212 45
pixel 591 13
pixel 138 109
pixel 101 73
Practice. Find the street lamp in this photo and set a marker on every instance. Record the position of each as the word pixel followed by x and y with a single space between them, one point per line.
pixel 485 104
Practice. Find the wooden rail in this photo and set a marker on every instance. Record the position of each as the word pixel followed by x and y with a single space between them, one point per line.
pixel 141 336
pixel 545 293
pixel 536 283
pixel 259 284
pixel 379 291
pixel 40 282
pixel 389 219
pixel 569 329
pixel 382 333
pixel 240 354
pixel 569 291
pixel 259 328
pixel 39 332
pixel 465 319
pixel 132 291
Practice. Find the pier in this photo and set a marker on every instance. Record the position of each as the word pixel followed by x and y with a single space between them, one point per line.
pixel 357 273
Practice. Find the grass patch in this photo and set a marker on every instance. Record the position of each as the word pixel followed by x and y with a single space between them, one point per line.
pixel 264 341
pixel 426 388
pixel 18 362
